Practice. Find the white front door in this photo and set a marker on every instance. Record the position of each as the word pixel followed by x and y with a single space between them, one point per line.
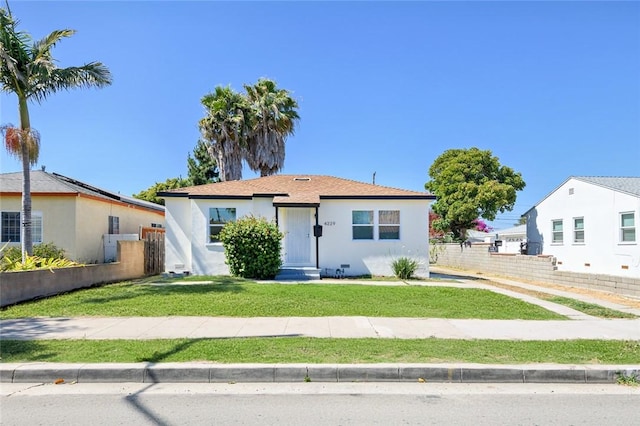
pixel 298 237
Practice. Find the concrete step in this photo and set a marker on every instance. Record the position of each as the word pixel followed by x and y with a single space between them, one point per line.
pixel 298 274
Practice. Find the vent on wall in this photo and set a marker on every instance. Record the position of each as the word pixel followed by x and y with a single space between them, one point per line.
pixel 570 191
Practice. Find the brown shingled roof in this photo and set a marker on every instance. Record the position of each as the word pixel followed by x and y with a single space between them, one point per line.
pixel 295 189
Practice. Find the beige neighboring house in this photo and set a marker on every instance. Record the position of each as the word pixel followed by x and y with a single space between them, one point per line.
pixel 72 215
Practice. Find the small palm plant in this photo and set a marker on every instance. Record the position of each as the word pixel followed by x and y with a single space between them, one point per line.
pixel 404 267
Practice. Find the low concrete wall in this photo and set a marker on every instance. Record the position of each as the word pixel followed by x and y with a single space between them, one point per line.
pixel 533 268
pixel 26 285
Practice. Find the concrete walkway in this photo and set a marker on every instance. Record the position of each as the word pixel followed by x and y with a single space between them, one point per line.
pixel 143 328
pixel 578 326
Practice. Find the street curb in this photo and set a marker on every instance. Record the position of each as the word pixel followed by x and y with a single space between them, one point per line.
pixel 296 373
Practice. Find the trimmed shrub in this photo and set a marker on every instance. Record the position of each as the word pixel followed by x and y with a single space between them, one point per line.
pixel 404 267
pixel 252 247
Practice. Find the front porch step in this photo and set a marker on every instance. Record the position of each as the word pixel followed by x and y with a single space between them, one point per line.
pixel 298 274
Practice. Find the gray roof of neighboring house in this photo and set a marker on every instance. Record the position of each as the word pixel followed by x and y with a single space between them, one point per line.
pixel 54 183
pixel 627 185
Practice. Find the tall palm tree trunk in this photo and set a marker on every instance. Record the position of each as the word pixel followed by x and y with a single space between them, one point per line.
pixel 26 237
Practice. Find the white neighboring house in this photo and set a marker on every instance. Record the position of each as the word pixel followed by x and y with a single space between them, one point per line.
pixel 363 226
pixel 589 224
pixel 510 238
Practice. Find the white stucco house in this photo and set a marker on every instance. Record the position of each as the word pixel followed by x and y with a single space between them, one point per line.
pixel 510 238
pixel 589 224
pixel 334 225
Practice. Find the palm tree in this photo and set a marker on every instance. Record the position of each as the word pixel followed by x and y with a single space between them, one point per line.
pixel 28 69
pixel 226 128
pixel 274 118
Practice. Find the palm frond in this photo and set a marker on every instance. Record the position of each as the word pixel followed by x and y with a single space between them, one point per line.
pixel 15 139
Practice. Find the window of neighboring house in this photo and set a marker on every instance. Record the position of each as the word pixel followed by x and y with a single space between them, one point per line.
pixel 556 231
pixel 627 227
pixel 218 217
pixel 578 230
pixel 362 224
pixel 114 225
pixel 36 227
pixel 389 224
pixel 11 227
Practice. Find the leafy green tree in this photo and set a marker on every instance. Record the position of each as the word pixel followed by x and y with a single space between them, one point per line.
pixel 226 128
pixel 274 117
pixel 151 194
pixel 28 69
pixel 202 166
pixel 468 184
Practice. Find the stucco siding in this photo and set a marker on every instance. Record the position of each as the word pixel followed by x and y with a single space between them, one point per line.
pixel 92 222
pixel 337 246
pixel 602 252
pixel 58 219
pixel 178 235
pixel 208 258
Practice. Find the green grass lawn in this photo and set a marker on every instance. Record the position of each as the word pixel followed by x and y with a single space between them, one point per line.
pixel 240 298
pixel 314 350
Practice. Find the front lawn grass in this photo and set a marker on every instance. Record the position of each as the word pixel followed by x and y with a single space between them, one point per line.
pixel 239 298
pixel 314 350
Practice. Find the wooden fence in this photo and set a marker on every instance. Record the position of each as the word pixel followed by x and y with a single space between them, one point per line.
pixel 154 252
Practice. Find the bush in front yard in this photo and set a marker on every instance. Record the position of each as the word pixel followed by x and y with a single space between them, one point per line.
pixel 252 247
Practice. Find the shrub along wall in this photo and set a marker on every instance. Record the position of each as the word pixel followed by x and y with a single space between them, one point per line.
pixel 533 268
pixel 26 285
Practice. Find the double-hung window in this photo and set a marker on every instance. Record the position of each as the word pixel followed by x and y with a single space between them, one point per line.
pixel 362 221
pixel 11 223
pixel 114 224
pixel 578 230
pixel 375 225
pixel 389 224
pixel 627 227
pixel 556 231
pixel 218 217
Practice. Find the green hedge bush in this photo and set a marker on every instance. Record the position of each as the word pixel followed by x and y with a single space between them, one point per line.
pixel 252 248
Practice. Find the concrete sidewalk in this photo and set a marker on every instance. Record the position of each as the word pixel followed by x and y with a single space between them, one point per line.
pixel 144 328
pixel 578 326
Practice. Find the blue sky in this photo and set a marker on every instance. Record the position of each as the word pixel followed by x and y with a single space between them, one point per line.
pixel 551 88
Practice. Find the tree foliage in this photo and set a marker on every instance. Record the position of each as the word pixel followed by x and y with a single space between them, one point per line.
pixel 28 69
pixel 470 184
pixel 151 193
pixel 202 170
pixel 252 247
pixel 251 127
pixel 202 167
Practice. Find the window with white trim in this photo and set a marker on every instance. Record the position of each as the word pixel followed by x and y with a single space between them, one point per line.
pixel 627 227
pixel 556 232
pixel 11 223
pixel 367 225
pixel 362 224
pixel 578 230
pixel 218 217
pixel 389 224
